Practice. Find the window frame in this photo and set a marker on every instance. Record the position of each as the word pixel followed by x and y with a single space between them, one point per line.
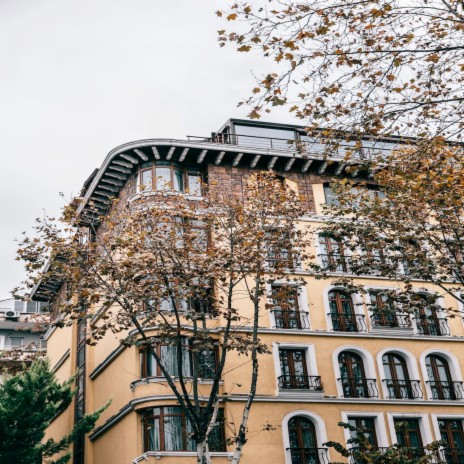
pixel 186 171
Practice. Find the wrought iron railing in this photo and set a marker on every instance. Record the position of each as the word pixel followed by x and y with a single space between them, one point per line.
pixel 390 319
pixel 358 455
pixel 359 388
pixel 290 319
pixel 334 262
pixel 308 455
pixel 450 455
pixel 444 390
pixel 403 389
pixel 300 382
pixel 432 326
pixel 348 322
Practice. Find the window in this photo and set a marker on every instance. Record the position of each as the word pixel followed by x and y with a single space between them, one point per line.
pixel 167 429
pixel 162 175
pixel 279 248
pixel 333 254
pixel 397 379
pixel 294 370
pixel 353 378
pixel 285 308
pixel 16 341
pixel 303 442
pixel 344 318
pixel 409 436
pixel 207 361
pixel 79 407
pixel 331 197
pixel 384 313
pixel 426 315
pixel 440 380
pixel 366 425
pixel 452 434
pixel 264 137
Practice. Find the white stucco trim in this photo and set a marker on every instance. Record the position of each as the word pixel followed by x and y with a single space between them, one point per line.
pixel 424 425
pixel 411 363
pixel 319 425
pixel 453 363
pixel 366 356
pixel 379 422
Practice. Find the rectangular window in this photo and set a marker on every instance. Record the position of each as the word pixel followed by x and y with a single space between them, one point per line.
pixel 366 425
pixel 409 436
pixel 285 308
pixel 16 341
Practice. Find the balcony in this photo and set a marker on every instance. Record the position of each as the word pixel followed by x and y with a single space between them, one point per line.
pixel 403 389
pixel 348 322
pixel 443 390
pixel 290 319
pixel 300 382
pixel 333 262
pixel 390 319
pixel 308 455
pixel 359 388
pixel 432 326
pixel 358 454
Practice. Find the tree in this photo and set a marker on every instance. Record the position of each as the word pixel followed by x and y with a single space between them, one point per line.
pixel 29 401
pixel 181 266
pixel 370 67
pixel 404 224
pixel 361 451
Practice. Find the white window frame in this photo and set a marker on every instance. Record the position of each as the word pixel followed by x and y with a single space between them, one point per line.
pixel 453 364
pixel 311 364
pixel 436 417
pixel 411 364
pixel 424 425
pixel 379 423
pixel 368 363
pixel 319 425
pixel 358 306
pixel 302 298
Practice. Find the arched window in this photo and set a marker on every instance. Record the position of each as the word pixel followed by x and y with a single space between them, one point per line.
pixel 440 380
pixel 344 318
pixel 353 377
pixel 303 442
pixel 399 385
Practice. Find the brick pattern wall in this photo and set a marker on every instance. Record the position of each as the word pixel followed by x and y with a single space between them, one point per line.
pixel 233 181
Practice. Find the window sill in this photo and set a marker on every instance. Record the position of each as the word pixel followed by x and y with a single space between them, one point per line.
pixel 160 454
pixel 148 380
pixel 164 193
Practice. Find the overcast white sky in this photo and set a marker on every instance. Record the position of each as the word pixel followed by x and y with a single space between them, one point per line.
pixel 79 77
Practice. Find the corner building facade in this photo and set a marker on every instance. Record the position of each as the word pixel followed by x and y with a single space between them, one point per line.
pixel 333 357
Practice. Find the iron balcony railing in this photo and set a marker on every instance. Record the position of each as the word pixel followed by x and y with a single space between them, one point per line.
pixel 334 262
pixel 390 319
pixel 450 455
pixel 348 322
pixel 432 326
pixel 359 388
pixel 358 454
pixel 444 390
pixel 403 389
pixel 290 319
pixel 300 382
pixel 308 455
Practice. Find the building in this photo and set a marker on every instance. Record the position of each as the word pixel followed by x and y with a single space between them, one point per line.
pixel 20 335
pixel 332 358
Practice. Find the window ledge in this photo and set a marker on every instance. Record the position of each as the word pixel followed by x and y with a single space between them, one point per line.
pixel 160 454
pixel 148 380
pixel 163 193
pixel 300 394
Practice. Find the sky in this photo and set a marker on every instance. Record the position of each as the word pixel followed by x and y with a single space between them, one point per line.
pixel 80 77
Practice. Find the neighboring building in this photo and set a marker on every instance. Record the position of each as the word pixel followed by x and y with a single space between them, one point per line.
pixel 20 336
pixel 332 358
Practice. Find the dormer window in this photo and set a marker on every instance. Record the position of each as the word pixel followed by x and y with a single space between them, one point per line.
pixel 164 175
